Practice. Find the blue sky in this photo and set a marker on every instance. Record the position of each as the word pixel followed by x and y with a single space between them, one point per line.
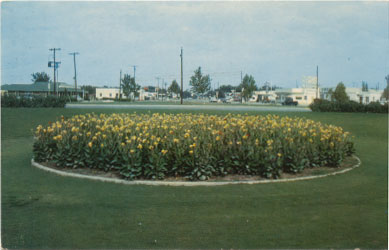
pixel 274 41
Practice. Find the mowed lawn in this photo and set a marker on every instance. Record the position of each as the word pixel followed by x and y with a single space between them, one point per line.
pixel 41 210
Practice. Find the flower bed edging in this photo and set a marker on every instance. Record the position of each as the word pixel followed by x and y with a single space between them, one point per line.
pixel 186 183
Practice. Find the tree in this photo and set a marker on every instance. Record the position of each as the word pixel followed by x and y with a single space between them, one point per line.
pixel 186 94
pixel 129 86
pixel 365 86
pixel 40 77
pixel 174 88
pixel 90 90
pixel 331 94
pixel 248 86
pixel 200 84
pixel 386 90
pixel 339 94
pixel 226 88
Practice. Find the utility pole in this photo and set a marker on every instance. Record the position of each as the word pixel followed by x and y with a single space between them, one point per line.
pixel 182 87
pixel 241 83
pixel 317 82
pixel 134 66
pixel 75 71
pixel 158 87
pixel 55 67
pixel 120 85
pixel 162 87
pixel 165 91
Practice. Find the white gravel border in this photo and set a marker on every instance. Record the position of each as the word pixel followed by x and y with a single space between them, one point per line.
pixel 187 183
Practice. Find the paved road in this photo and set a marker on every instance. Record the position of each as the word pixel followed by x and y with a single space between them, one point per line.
pixel 191 107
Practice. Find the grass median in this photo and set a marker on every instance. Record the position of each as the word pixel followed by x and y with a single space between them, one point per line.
pixel 42 210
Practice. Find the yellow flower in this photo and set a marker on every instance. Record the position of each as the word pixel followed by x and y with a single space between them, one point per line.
pixel 191 152
pixel 102 145
pixel 238 142
pixel 151 147
pixel 132 151
pixel 123 144
pixel 175 140
pixel 74 138
pixel 217 138
pixel 88 134
pixel 90 144
pixel 140 146
pixel 279 154
pixel 163 151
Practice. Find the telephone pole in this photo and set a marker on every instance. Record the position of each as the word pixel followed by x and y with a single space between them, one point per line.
pixel 134 66
pixel 182 91
pixel 165 91
pixel 55 67
pixel 158 87
pixel 317 82
pixel 120 85
pixel 75 71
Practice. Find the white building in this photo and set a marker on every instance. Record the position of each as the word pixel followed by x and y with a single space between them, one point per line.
pixel 109 93
pixel 365 97
pixel 357 95
pixel 263 96
pixel 145 95
pixel 303 96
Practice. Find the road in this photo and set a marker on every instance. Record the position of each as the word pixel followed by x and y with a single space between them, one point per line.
pixel 191 107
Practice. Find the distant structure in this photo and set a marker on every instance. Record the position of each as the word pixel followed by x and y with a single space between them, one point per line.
pixel 40 88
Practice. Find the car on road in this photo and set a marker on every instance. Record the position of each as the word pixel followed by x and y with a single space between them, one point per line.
pixel 289 102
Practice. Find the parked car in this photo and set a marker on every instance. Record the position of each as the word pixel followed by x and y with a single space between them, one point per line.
pixel 223 100
pixel 213 99
pixel 289 102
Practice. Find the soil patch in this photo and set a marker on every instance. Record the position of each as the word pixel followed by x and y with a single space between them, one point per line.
pixel 347 163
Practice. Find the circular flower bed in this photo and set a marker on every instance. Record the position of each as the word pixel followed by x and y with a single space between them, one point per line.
pixel 195 147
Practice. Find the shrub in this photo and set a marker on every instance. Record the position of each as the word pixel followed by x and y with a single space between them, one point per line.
pixel 11 101
pixel 320 105
pixel 192 146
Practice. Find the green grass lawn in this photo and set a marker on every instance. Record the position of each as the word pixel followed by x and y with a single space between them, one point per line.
pixel 41 210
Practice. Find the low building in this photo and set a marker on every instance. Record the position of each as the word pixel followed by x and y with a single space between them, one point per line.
pixel 364 97
pixel 356 94
pixel 40 88
pixel 148 93
pixel 303 96
pixel 108 93
pixel 264 96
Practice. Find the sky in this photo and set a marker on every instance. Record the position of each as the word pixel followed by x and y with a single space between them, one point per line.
pixel 279 42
